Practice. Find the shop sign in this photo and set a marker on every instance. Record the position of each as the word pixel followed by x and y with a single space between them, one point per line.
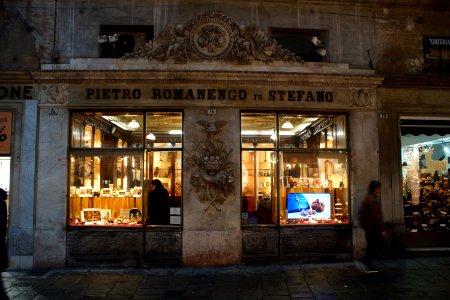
pixel 186 93
pixel 437 41
pixel 5 132
pixel 16 92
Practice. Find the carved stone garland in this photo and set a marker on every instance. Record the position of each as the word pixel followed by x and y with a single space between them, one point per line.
pixel 212 36
pixel 211 178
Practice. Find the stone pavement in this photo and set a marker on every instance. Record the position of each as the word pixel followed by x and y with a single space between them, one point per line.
pixel 413 278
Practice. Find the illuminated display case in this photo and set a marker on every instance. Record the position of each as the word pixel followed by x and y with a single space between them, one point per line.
pixel 294 169
pixel 111 165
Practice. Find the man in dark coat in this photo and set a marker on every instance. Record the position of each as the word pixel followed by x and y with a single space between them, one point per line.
pixel 371 220
pixel 158 204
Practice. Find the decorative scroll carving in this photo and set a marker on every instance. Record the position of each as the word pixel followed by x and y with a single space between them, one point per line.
pixel 362 97
pixel 212 178
pixel 212 36
pixel 54 94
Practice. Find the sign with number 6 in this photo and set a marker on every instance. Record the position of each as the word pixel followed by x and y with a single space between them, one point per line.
pixel 5 132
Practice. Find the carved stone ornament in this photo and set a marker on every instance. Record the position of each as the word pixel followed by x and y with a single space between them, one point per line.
pixel 362 97
pixel 211 178
pixel 212 36
pixel 54 94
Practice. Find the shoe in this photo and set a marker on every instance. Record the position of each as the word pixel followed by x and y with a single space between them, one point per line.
pixel 371 269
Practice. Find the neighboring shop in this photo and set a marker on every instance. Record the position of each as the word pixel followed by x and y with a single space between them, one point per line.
pixel 416 122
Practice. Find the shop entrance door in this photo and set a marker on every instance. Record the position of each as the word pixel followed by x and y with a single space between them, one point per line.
pixel 162 236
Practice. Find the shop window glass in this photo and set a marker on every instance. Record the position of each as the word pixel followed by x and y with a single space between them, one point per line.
pixel 107 130
pixel 258 130
pixel 259 200
pixel 304 180
pixel 313 188
pixel 304 131
pixel 111 166
pixel 105 189
pixel 425 174
pixel 163 130
pixel 163 143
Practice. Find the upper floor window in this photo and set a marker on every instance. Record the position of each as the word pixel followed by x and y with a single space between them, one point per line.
pixel 306 43
pixel 116 40
pixel 436 51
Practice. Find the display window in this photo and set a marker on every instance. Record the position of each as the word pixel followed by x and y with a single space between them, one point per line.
pixel 425 174
pixel 112 164
pixel 294 173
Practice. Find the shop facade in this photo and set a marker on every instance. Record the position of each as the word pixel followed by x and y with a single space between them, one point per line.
pixel 266 157
pixel 235 175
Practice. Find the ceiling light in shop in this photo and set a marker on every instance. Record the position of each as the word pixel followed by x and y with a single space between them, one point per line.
pixel 133 124
pixel 151 136
pixel 273 136
pixel 175 132
pixel 287 125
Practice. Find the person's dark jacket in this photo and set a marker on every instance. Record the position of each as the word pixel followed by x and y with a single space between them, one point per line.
pixel 370 216
pixel 158 206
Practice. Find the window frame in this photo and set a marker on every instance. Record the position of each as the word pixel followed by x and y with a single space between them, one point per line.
pixel 279 150
pixel 142 150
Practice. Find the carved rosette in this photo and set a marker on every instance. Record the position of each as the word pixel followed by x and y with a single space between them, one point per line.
pixel 211 178
pixel 212 36
pixel 54 94
pixel 362 97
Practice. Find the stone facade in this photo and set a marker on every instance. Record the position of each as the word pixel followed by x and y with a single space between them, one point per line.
pixel 369 45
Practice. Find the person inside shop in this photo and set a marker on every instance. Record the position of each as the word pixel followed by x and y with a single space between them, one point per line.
pixel 3 228
pixel 158 204
pixel 371 220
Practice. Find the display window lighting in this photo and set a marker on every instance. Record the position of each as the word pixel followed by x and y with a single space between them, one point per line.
pixel 133 124
pixel 150 136
pixel 273 137
pixel 287 125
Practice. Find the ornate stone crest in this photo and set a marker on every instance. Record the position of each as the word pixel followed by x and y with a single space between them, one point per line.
pixel 212 36
pixel 54 94
pixel 362 97
pixel 212 178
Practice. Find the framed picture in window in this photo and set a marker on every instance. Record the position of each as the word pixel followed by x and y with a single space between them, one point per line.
pixel 137 192
pixel 106 192
pixel 85 191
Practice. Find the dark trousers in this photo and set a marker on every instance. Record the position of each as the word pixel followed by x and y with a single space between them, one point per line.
pixel 374 241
